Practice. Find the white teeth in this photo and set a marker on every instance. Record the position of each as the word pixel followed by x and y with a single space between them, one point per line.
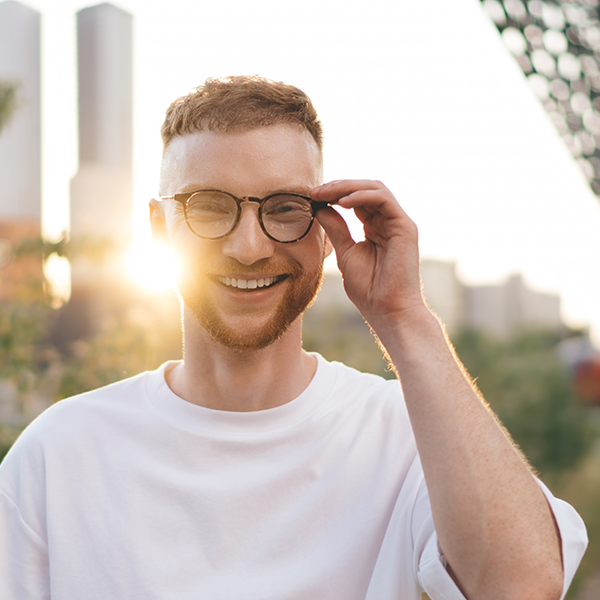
pixel 249 284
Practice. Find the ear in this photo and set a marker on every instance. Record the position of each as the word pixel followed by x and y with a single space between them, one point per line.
pixel 157 220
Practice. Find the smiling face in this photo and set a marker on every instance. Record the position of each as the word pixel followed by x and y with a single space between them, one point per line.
pixel 245 289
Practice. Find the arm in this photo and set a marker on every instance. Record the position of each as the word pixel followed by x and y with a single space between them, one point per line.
pixel 493 522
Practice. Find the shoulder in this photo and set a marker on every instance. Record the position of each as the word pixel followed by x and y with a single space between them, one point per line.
pixel 350 379
pixel 75 419
pixel 354 390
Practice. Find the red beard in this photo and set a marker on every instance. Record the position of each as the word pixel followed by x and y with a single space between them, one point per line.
pixel 301 291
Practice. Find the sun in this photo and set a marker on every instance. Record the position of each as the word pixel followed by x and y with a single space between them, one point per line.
pixel 152 266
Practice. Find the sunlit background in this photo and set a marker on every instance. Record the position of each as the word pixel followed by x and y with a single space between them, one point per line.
pixel 422 95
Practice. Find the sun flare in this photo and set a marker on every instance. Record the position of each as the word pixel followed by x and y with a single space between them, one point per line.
pixel 152 266
pixel 57 271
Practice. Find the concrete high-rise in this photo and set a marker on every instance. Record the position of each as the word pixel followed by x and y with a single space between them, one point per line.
pixel 102 190
pixel 20 140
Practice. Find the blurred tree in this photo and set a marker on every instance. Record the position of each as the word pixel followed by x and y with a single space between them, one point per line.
pixel 581 488
pixel 126 346
pixel 27 363
pixel 344 336
pixel 530 389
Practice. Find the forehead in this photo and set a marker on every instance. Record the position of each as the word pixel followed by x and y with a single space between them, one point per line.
pixel 252 162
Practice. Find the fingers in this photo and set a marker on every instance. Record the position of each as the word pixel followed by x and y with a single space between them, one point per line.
pixel 337 230
pixel 371 196
pixel 334 190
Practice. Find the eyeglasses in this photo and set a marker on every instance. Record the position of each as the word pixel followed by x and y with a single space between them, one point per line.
pixel 213 214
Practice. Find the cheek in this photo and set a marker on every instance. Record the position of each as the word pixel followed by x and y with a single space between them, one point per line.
pixel 185 243
pixel 176 225
pixel 313 255
pixel 190 250
pixel 322 244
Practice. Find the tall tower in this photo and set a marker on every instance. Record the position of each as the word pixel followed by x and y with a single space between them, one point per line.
pixel 20 151
pixel 20 140
pixel 102 190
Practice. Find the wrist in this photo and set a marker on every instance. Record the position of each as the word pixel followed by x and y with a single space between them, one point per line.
pixel 409 334
pixel 408 321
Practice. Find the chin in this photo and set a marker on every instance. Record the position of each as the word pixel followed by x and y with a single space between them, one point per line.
pixel 301 291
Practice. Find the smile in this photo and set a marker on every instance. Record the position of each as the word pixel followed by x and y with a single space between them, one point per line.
pixel 249 284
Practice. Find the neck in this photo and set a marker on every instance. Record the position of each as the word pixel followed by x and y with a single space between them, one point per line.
pixel 217 377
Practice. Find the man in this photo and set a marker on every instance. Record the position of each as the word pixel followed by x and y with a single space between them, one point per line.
pixel 253 469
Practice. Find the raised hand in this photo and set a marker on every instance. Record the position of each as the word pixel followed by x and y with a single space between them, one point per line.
pixel 381 273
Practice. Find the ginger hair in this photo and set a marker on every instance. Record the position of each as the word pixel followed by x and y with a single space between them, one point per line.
pixel 240 102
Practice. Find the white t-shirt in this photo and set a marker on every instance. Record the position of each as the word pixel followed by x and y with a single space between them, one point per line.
pixel 129 492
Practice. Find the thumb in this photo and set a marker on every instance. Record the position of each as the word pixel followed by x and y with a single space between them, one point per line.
pixel 337 230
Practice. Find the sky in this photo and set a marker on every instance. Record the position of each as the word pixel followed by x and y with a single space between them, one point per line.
pixel 420 95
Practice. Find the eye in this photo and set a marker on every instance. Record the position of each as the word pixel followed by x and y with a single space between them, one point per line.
pixel 286 208
pixel 207 206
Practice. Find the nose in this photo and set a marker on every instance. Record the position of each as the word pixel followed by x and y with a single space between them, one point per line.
pixel 247 243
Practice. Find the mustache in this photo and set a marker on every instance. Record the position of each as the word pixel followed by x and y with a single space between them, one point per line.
pixel 266 266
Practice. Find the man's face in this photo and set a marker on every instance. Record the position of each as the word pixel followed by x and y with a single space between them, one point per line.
pixel 274 282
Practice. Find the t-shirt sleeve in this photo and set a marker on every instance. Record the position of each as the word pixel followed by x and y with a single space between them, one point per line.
pixel 431 564
pixel 573 535
pixel 24 570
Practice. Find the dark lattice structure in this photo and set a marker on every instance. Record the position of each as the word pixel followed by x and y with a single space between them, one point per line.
pixel 557 44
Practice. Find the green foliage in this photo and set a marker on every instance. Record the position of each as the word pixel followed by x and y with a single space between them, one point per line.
pixel 22 329
pixel 529 387
pixel 122 349
pixel 26 360
pixel 581 488
pixel 8 102
pixel 8 436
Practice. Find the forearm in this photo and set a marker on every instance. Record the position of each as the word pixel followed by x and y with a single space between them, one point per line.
pixel 493 522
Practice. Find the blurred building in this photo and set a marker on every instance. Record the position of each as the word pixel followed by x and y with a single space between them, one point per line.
pixel 504 309
pixel 102 189
pixel 500 310
pixel 20 152
pixel 20 140
pixel 444 292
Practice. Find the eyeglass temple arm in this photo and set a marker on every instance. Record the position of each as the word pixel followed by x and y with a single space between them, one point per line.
pixel 319 205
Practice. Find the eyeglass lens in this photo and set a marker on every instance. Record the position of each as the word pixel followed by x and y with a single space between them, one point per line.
pixel 213 214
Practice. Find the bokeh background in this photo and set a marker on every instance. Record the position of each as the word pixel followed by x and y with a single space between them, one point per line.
pixel 465 113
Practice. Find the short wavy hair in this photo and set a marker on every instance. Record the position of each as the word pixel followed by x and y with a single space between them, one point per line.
pixel 240 102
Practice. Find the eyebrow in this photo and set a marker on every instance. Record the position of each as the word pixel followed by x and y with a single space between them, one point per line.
pixel 300 189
